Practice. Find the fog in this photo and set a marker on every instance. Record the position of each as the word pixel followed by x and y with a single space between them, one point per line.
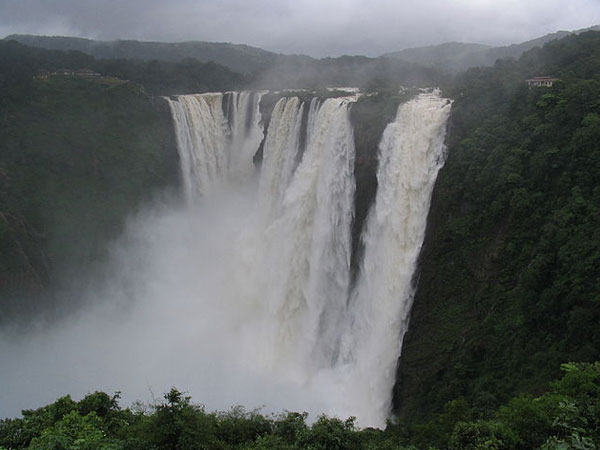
pixel 242 294
pixel 308 27
pixel 167 316
pixel 169 313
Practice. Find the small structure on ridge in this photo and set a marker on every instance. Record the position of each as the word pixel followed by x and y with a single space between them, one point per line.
pixel 541 81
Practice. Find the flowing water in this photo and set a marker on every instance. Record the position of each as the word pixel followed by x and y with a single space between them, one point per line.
pixel 313 327
pixel 242 294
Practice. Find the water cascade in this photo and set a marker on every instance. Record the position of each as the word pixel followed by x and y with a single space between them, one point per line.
pixel 279 154
pixel 308 243
pixel 304 322
pixel 411 153
pixel 214 147
pixel 243 294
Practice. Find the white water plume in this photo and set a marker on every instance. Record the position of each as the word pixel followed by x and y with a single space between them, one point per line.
pixel 279 154
pixel 241 295
pixel 212 149
pixel 308 245
pixel 410 155
pixel 246 131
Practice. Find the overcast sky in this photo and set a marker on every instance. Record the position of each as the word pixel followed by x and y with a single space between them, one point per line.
pixel 314 27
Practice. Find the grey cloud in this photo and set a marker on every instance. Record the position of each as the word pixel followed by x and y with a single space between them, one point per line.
pixel 313 27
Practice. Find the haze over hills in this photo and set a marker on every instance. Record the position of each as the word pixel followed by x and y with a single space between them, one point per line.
pixel 245 59
pixel 261 69
pixel 238 57
pixel 452 55
pixel 457 56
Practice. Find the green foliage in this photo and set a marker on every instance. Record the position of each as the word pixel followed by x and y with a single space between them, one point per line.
pixel 19 64
pixel 75 432
pixel 166 78
pixel 237 426
pixel 16 74
pixel 99 403
pixel 480 435
pixel 18 433
pixel 567 416
pixel 76 158
pixel 240 58
pixel 269 442
pixel 436 431
pixel 173 422
pixel 330 434
pixel 291 426
pixel 508 282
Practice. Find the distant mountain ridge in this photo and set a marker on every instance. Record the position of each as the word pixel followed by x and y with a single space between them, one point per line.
pixel 238 57
pixel 457 56
pixel 449 57
pixel 263 69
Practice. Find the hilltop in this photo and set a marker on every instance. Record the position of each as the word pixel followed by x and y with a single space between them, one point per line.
pixel 237 57
pixel 457 56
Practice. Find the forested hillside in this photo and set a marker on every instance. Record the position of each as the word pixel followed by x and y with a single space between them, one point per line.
pixel 76 157
pixel 19 64
pixel 239 58
pixel 190 67
pixel 508 287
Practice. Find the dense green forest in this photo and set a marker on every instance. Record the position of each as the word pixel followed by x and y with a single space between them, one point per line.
pixel 565 417
pixel 508 285
pixel 76 157
pixel 19 64
pixel 188 67
pixel 239 58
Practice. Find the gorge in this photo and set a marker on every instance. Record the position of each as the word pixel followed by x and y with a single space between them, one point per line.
pixel 263 248
pixel 249 275
pixel 311 323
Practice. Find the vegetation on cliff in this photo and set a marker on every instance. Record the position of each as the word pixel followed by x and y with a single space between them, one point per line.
pixel 19 64
pixel 509 286
pixel 76 157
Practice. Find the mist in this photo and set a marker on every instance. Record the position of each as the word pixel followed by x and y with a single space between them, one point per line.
pixel 168 312
pixel 242 293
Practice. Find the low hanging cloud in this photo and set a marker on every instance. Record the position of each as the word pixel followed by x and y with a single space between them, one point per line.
pixel 311 27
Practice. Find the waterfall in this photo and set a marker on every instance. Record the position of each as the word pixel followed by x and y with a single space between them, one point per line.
pixel 243 294
pixel 214 147
pixel 279 154
pixel 303 322
pixel 246 131
pixel 411 153
pixel 308 244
